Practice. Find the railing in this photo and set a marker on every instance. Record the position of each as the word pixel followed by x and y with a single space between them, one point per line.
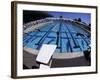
pixel 29 24
pixel 33 23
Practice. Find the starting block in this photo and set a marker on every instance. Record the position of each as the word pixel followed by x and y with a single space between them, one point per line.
pixel 45 54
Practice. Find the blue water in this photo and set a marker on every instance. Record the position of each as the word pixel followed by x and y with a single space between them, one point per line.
pixel 61 33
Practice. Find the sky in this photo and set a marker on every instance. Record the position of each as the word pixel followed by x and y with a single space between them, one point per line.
pixel 85 17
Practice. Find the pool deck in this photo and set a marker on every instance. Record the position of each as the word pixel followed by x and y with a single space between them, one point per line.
pixel 65 60
pixel 56 55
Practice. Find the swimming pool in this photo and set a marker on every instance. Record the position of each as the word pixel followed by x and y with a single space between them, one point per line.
pixel 67 35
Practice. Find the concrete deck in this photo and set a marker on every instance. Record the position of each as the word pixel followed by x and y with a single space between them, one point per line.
pixel 29 60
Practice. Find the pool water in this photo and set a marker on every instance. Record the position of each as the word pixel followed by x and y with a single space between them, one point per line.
pixel 68 37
